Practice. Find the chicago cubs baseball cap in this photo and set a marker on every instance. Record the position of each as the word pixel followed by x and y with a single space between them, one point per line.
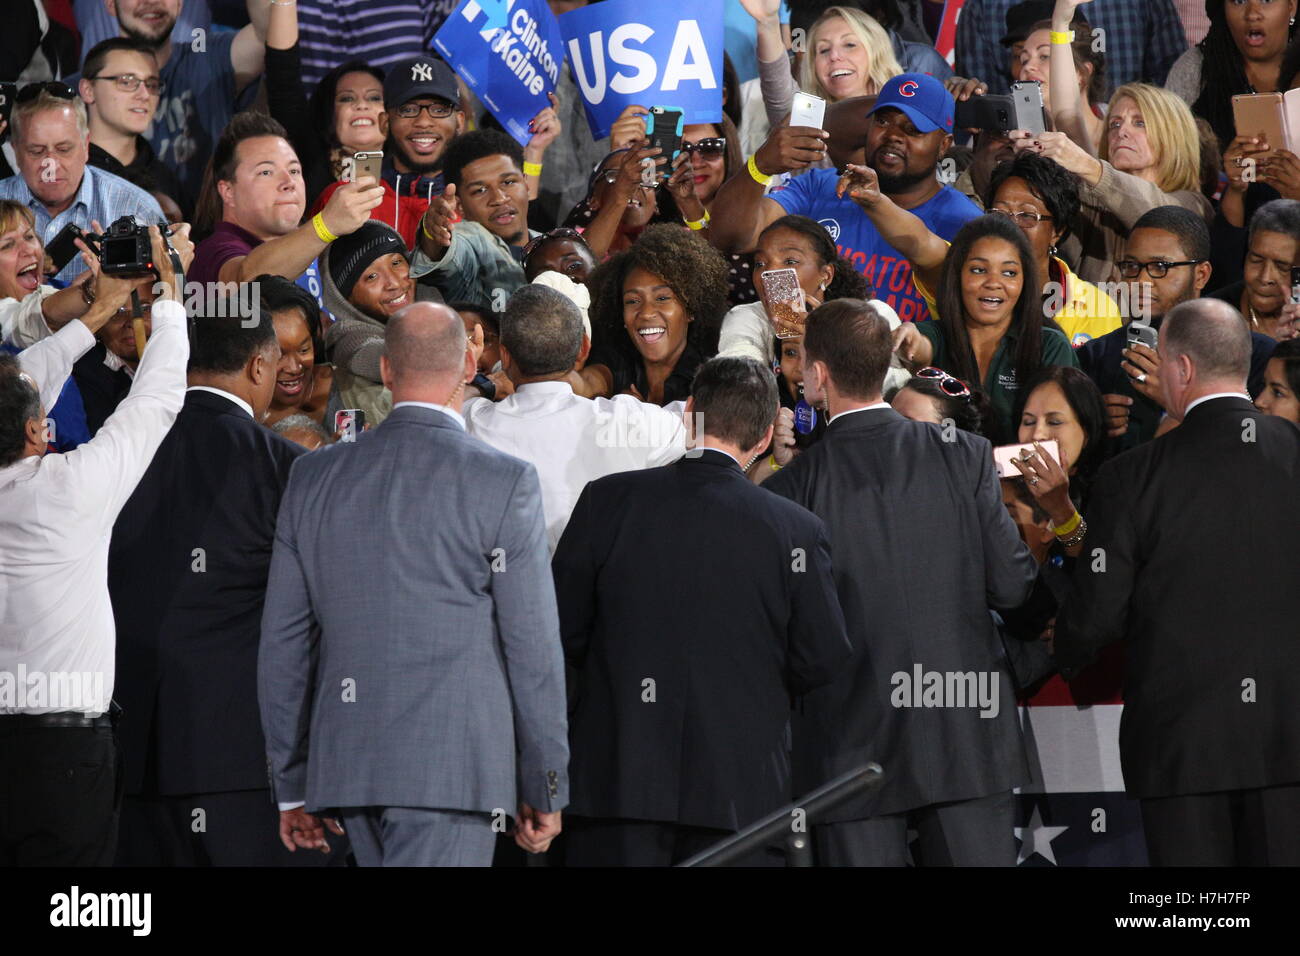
pixel 419 76
pixel 927 104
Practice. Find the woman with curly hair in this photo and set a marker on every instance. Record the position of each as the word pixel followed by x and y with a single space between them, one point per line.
pixel 655 314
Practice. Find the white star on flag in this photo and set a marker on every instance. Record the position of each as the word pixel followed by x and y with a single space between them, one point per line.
pixel 1037 838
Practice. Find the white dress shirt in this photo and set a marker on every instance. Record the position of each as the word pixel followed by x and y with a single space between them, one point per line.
pixel 864 408
pixel 449 412
pixel 1207 398
pixel 572 440
pixel 56 517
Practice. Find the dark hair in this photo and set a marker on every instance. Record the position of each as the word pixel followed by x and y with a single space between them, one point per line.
pixel 1288 353
pixel 1223 73
pixel 969 414
pixel 471 147
pixel 736 398
pixel 97 56
pixel 482 310
pixel 848 282
pixel 1057 187
pixel 278 294
pixel 542 330
pixel 19 404
pixel 692 268
pixel 1279 215
pixel 221 167
pixel 853 341
pixel 225 341
pixel 1084 399
pixel 1219 349
pixel 1211 158
pixel 1085 54
pixel 321 107
pixel 1026 317
pixel 1188 227
pixel 730 93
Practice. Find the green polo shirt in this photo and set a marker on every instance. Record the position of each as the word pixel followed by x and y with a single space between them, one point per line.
pixel 1000 384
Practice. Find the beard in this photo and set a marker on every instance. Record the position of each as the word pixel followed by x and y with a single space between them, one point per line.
pixel 417 165
pixel 162 32
pixel 897 182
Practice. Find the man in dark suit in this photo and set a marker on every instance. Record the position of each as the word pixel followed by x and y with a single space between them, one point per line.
pixel 188 568
pixel 923 547
pixel 692 606
pixel 1190 557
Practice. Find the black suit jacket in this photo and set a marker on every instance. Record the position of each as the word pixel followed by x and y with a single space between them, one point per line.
pixel 1198 534
pixel 188 623
pixel 923 547
pixel 102 389
pixel 721 595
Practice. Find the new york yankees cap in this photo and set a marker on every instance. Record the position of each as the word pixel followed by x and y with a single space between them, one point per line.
pixel 420 76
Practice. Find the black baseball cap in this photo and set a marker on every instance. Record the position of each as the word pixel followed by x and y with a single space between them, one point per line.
pixel 420 76
pixel 1022 17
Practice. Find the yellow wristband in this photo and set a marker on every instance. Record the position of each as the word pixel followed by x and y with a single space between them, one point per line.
pixel 1065 530
pixel 771 460
pixel 759 177
pixel 532 169
pixel 1062 39
pixel 322 233
pixel 698 224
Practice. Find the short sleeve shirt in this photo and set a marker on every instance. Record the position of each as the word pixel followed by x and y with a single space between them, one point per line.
pixel 856 237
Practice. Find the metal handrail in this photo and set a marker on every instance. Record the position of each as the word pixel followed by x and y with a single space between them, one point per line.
pixel 778 823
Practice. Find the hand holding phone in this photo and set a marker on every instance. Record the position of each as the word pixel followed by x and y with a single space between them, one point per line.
pixel 807 110
pixel 1003 455
pixel 349 423
pixel 663 125
pixel 783 298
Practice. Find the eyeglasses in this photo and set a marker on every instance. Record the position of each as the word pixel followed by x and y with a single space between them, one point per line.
pixel 952 387
pixel 53 87
pixel 1156 269
pixel 563 232
pixel 1022 219
pixel 712 147
pixel 129 83
pixel 436 110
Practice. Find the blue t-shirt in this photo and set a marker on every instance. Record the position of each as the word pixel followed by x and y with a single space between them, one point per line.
pixel 856 238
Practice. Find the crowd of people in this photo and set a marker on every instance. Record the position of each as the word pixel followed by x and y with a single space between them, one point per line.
pixel 404 506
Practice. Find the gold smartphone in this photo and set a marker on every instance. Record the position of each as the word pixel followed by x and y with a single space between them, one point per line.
pixel 1261 114
pixel 367 164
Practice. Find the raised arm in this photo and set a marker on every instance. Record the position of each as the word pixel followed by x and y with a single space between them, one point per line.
pixel 1067 104
pixel 900 228
pixel 273 22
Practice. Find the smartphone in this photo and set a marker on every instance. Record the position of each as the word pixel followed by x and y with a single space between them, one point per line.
pixel 783 297
pixel 1027 106
pixel 1295 285
pixel 367 164
pixel 1261 114
pixel 62 249
pixel 1003 454
pixel 1291 110
pixel 349 423
pixel 1141 333
pixel 808 110
pixel 7 93
pixel 663 125
pixel 994 112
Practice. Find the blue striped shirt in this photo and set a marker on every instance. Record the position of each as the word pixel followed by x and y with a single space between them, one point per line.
pixel 381 32
pixel 101 196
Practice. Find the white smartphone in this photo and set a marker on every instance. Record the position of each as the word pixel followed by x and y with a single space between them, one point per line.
pixel 807 110
pixel 1003 454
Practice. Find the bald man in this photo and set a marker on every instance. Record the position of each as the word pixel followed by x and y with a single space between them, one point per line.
pixel 410 672
pixel 1190 558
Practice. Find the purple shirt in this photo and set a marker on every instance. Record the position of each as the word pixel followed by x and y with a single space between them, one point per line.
pixel 226 242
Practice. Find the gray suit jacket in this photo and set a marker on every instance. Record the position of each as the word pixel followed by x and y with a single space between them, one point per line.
pixel 410 650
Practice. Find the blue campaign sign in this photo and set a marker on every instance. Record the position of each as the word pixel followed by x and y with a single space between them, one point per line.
pixel 509 53
pixel 629 51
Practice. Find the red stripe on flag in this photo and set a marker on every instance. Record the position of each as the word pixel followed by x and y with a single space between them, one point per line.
pixel 947 39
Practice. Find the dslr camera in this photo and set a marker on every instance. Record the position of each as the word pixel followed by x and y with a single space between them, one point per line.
pixel 125 251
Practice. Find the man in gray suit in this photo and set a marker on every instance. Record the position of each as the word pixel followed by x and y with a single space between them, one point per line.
pixel 410 675
pixel 923 547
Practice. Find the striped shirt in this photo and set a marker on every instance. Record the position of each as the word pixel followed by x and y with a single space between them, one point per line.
pixel 380 32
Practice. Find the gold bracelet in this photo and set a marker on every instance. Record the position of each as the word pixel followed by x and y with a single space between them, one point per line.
pixel 759 176
pixel 698 224
pixel 1065 530
pixel 771 460
pixel 1062 39
pixel 322 231
pixel 532 169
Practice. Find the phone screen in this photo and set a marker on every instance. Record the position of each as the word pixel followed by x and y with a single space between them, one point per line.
pixel 664 127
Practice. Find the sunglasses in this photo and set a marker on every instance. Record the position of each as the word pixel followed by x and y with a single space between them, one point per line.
pixel 53 87
pixel 714 147
pixel 952 387
pixel 563 232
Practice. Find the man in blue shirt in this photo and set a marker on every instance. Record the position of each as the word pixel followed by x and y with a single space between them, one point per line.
pixel 910 130
pixel 52 145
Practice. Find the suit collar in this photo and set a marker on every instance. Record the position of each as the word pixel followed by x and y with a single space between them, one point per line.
pixel 422 414
pixel 1219 404
pixel 711 456
pixel 863 420
pixel 217 400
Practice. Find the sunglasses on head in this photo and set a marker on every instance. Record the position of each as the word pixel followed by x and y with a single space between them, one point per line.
pixel 712 147
pixel 53 87
pixel 952 387
pixel 563 232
